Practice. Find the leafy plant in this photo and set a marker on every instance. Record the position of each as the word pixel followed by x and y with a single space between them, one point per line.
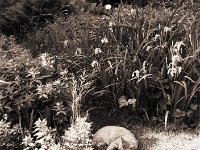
pixel 76 137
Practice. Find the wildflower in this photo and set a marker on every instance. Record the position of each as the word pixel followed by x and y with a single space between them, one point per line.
pixel 48 88
pixel 167 29
pixel 28 141
pixel 148 48
pixel 108 7
pixel 44 56
pixel 105 18
pixel 56 82
pixel 64 72
pixel 44 90
pixel 55 147
pixel 81 122
pixel 33 72
pixel 5 116
pixel 173 71
pixel 95 64
pixel 179 69
pixel 78 51
pixel 41 128
pixel 136 73
pixel 132 102
pixel 4 126
pixel 44 63
pixel 46 60
pixel 177 46
pixel 193 106
pixel 78 135
pixel 111 24
pixel 41 140
pixel 65 43
pixel 97 51
pixel 41 91
pixel 104 40
pixel 157 36
pixel 179 113
pixel 122 101
pixel 133 11
pixel 59 108
pixel 143 67
pixel 40 123
pixel 175 60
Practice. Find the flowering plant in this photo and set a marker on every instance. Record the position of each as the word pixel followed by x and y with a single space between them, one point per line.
pixel 77 137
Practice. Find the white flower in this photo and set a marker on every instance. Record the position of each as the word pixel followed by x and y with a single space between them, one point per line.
pixel 33 72
pixel 5 116
pixel 122 101
pixel 104 40
pixel 44 56
pixel 133 11
pixel 48 88
pixel 143 67
pixel 56 82
pixel 46 60
pixel 167 29
pixel 179 69
pixel 111 24
pixel 65 43
pixel 64 72
pixel 136 73
pixel 44 63
pixel 157 36
pixel 97 51
pixel 108 7
pixel 41 140
pixel 59 108
pixel 132 102
pixel 28 141
pixel 148 48
pixel 55 147
pixel 175 60
pixel 95 63
pixel 172 71
pixel 78 51
pixel 177 46
pixel 41 91
pixel 41 123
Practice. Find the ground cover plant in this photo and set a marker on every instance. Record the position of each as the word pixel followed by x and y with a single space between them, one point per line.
pixel 125 66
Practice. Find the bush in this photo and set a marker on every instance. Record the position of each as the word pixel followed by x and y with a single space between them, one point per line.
pixel 22 17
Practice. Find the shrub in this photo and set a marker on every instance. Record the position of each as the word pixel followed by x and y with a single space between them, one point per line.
pixel 10 135
pixel 77 137
pixel 22 17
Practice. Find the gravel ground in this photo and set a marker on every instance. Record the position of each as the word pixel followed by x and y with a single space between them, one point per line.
pixel 171 141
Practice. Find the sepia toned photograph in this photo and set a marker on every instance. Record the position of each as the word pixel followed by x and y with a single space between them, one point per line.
pixel 99 74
